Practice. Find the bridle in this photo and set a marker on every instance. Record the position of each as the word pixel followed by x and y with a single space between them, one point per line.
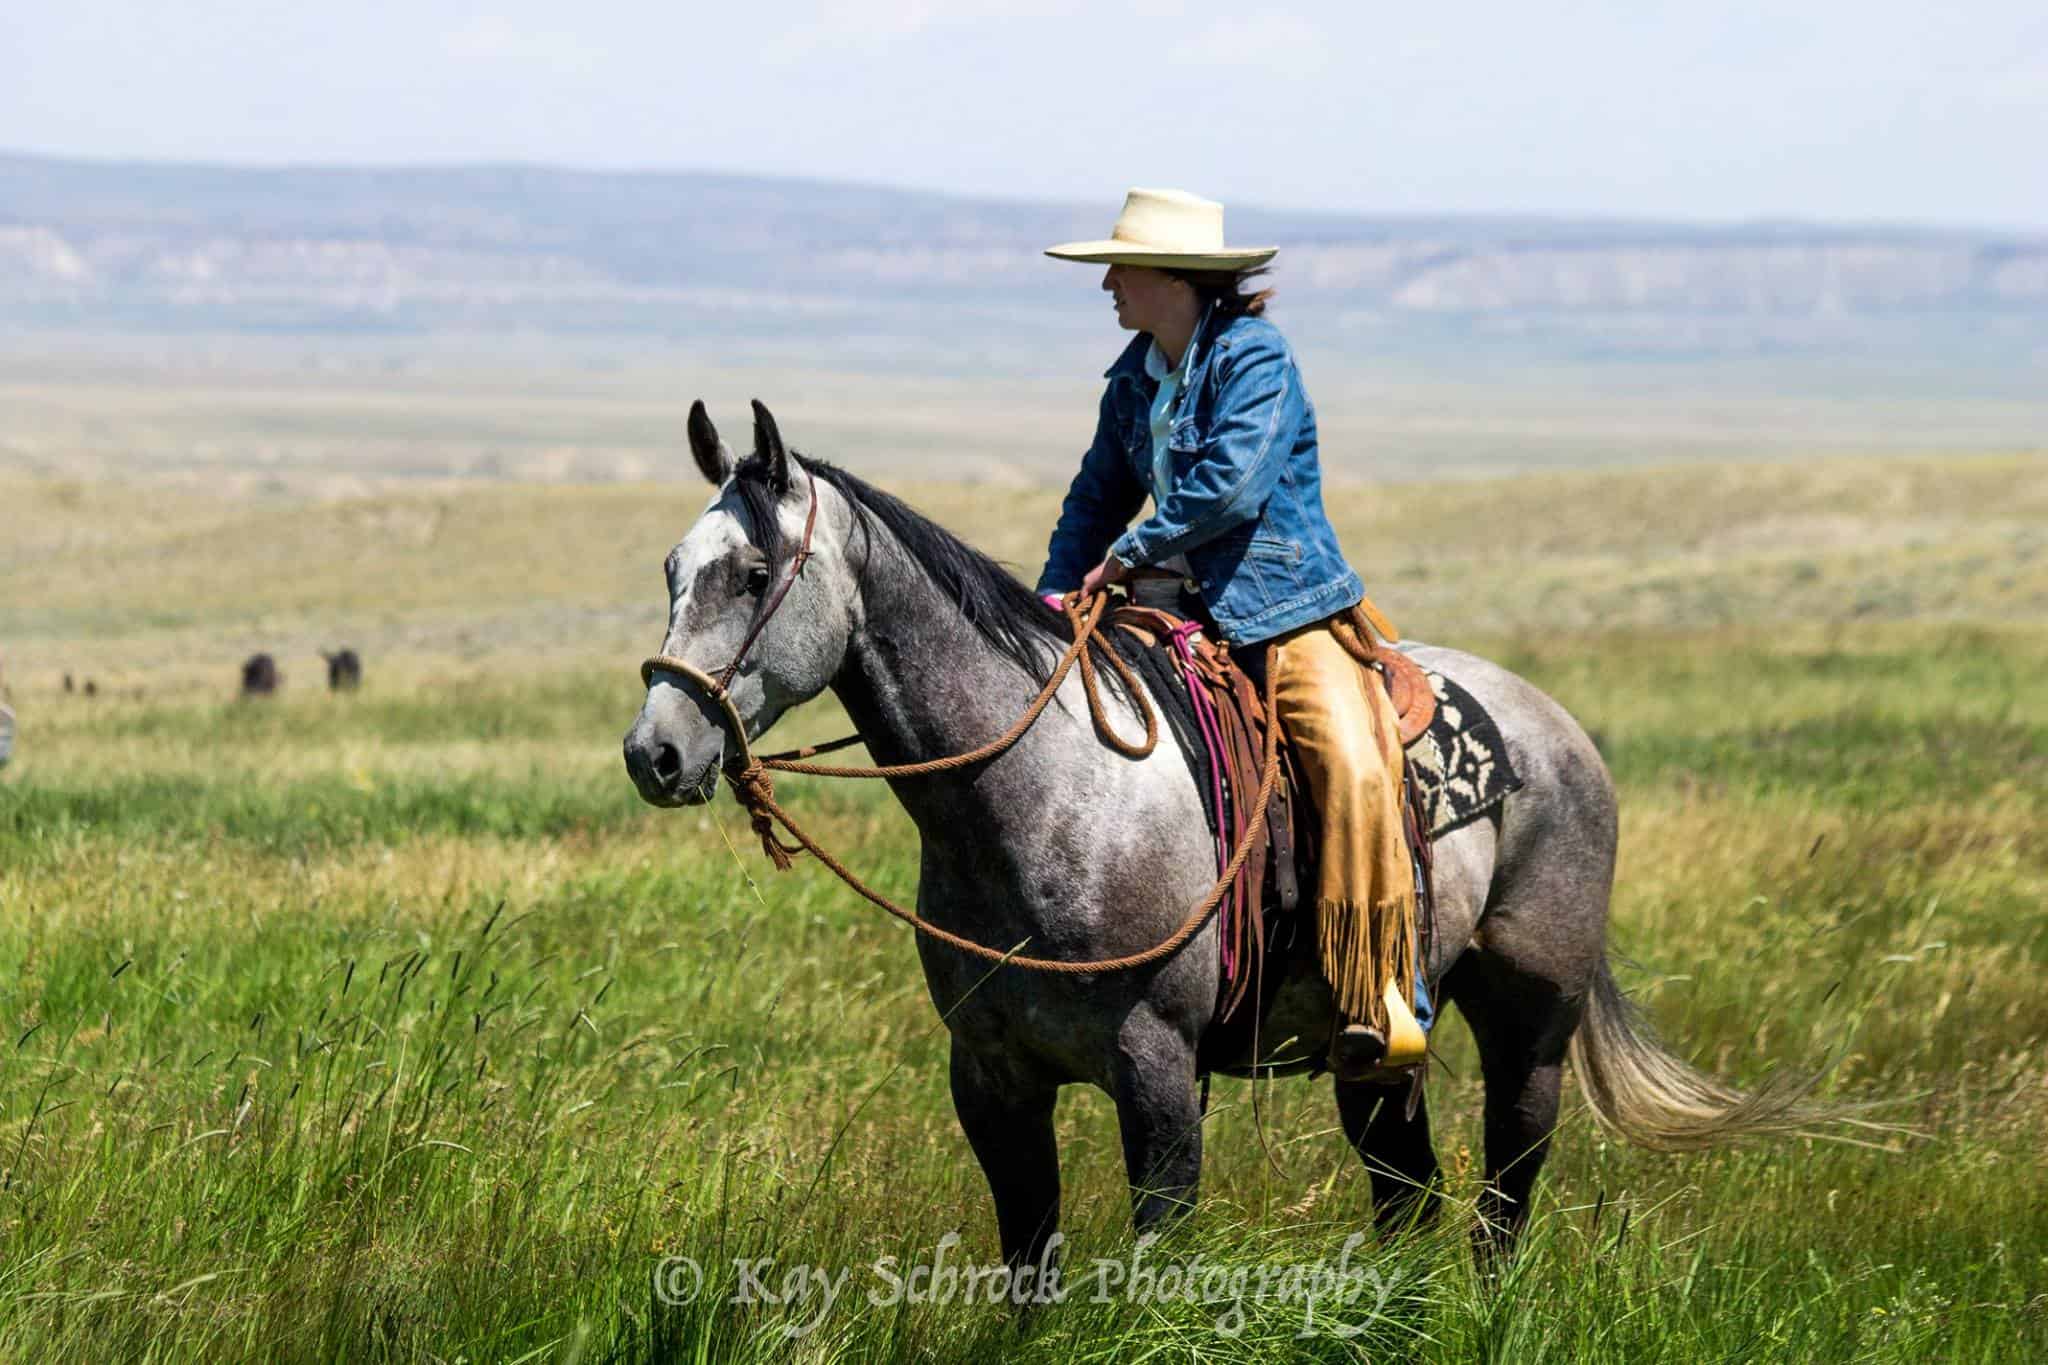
pixel 751 786
pixel 719 689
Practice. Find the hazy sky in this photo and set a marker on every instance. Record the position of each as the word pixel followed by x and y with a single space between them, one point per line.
pixel 1839 109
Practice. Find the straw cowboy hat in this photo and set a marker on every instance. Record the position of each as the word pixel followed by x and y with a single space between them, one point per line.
pixel 1167 230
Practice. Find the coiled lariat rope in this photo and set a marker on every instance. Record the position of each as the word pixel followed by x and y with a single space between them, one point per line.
pixel 755 790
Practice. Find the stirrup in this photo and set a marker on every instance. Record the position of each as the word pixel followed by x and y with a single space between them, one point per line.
pixel 1407 1044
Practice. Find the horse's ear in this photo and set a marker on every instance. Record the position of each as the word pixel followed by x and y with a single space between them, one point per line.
pixel 768 446
pixel 712 455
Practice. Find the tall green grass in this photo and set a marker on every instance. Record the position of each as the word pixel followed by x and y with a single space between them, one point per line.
pixel 395 1028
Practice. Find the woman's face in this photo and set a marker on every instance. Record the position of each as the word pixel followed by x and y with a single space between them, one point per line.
pixel 1145 298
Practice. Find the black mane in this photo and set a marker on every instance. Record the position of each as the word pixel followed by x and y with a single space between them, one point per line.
pixel 1004 612
pixel 1009 616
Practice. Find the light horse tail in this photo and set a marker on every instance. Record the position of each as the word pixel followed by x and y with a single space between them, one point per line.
pixel 1640 1091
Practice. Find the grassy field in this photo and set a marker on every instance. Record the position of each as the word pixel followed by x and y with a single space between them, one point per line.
pixel 393 1026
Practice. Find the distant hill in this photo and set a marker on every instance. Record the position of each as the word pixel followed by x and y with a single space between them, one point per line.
pixel 103 244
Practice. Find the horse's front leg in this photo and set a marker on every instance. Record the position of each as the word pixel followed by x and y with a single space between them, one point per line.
pixel 1159 1109
pixel 1007 1116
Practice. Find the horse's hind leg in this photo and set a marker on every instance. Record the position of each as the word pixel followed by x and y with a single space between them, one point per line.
pixel 1522 1024
pixel 1159 1112
pixel 1395 1148
pixel 1008 1122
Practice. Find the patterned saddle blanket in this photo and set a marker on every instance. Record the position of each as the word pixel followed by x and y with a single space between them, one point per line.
pixel 1458 762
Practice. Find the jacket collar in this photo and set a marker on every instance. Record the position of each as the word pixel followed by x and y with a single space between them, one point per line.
pixel 1132 361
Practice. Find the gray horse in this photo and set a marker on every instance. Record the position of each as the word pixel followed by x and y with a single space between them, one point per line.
pixel 1069 850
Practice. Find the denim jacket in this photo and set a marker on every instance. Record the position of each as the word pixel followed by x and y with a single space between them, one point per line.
pixel 1247 502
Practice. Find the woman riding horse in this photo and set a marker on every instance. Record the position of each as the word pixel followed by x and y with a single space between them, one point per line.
pixel 1206 413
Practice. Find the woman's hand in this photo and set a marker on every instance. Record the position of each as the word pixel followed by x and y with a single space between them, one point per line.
pixel 1110 570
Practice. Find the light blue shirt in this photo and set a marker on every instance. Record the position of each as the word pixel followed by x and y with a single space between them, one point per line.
pixel 1163 404
pixel 1168 398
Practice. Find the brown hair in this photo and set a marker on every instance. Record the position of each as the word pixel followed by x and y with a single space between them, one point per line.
pixel 1226 290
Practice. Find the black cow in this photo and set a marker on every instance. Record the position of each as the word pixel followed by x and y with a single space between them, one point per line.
pixel 260 677
pixel 344 670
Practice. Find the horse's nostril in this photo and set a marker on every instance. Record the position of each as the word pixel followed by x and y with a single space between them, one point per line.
pixel 668 764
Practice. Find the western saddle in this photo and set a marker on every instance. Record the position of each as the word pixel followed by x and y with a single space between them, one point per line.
pixel 1215 708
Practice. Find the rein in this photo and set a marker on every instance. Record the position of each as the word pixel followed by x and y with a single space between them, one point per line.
pixel 752 787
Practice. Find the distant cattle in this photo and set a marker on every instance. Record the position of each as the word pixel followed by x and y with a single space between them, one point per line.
pixel 260 677
pixel 344 670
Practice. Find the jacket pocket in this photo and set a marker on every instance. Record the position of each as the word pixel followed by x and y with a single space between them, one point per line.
pixel 1274 549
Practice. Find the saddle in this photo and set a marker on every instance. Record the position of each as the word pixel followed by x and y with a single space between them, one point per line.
pixel 1219 715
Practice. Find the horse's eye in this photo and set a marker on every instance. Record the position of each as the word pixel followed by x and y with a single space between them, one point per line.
pixel 757 579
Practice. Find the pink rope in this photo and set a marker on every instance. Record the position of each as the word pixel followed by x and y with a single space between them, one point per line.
pixel 1206 720
pixel 1211 727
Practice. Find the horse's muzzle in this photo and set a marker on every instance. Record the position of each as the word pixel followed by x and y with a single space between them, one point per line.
pixel 659 773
